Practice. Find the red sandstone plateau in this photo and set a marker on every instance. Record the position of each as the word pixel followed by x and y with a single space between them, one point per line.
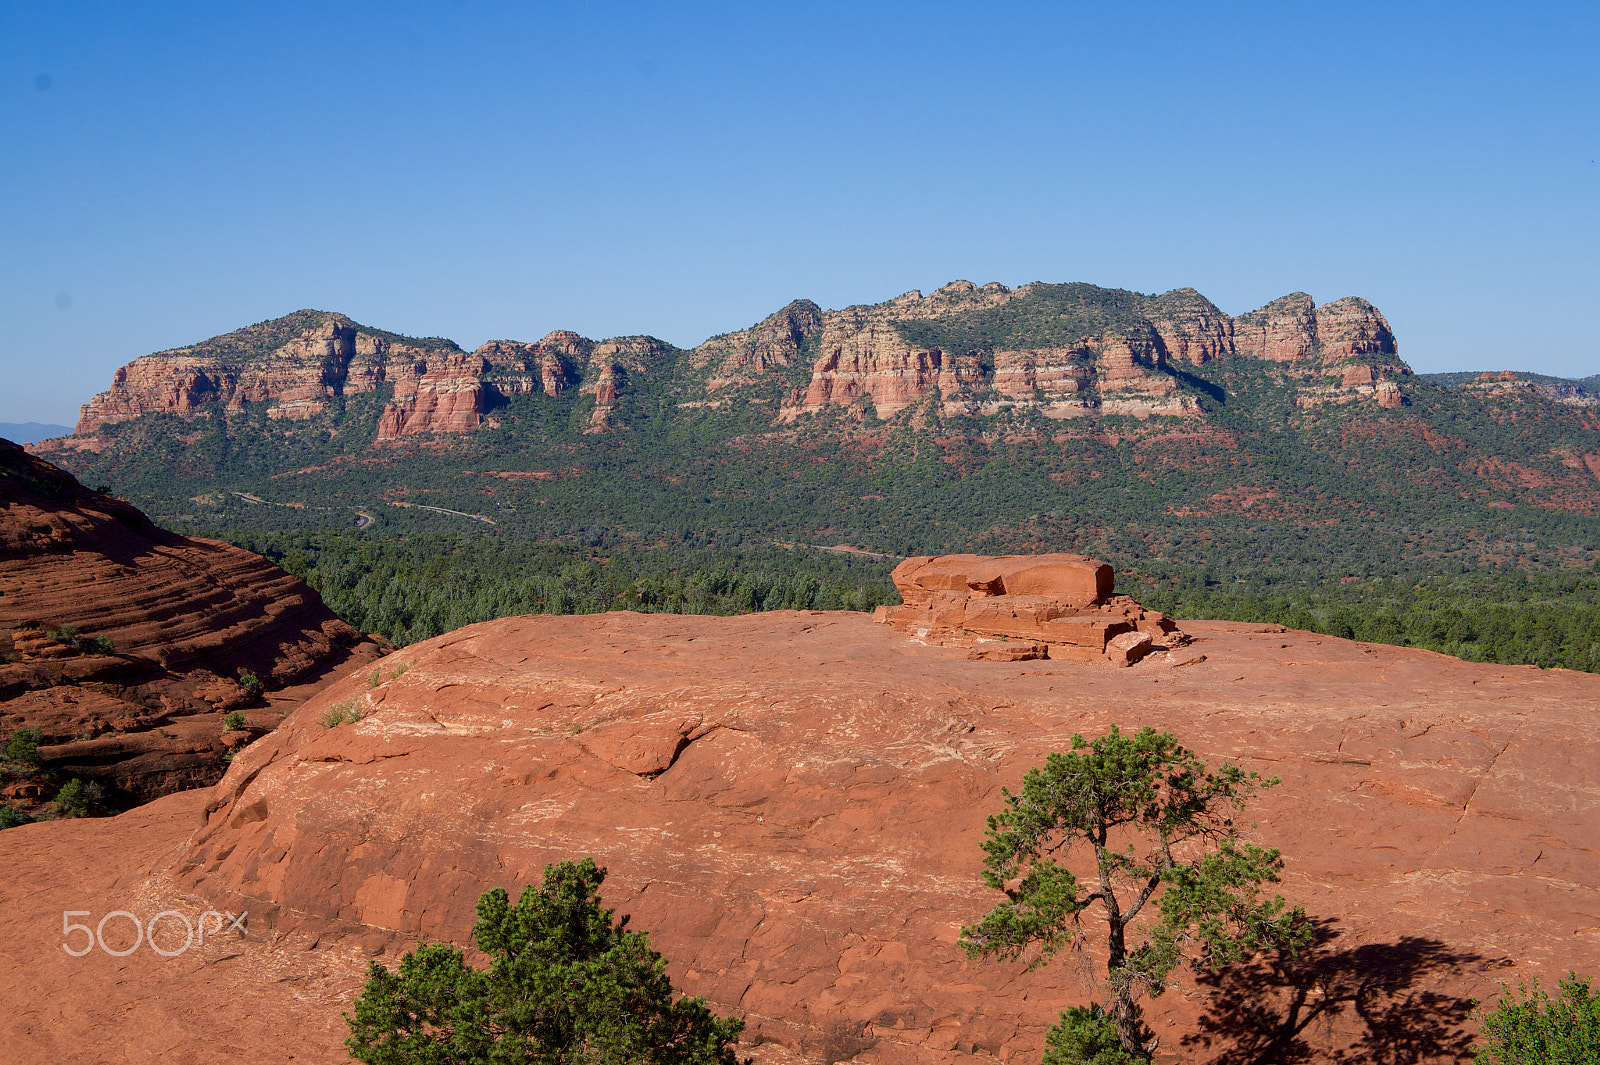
pixel 184 618
pixel 792 804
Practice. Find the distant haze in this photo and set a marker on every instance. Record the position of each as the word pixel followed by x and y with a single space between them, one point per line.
pixel 28 432
pixel 479 171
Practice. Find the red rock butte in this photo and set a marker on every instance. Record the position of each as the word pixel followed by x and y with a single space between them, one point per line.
pixel 792 804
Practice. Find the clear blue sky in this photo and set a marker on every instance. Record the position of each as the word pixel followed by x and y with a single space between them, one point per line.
pixel 481 170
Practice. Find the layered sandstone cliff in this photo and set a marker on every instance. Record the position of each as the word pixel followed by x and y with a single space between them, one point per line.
pixel 300 364
pixel 1092 351
pixel 1340 351
pixel 793 805
pixel 125 643
pixel 1066 351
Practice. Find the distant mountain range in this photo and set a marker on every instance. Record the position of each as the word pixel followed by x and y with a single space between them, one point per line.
pixel 30 432
pixel 1292 439
pixel 1579 392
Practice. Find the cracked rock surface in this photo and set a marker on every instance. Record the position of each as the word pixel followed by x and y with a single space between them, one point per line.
pixel 792 805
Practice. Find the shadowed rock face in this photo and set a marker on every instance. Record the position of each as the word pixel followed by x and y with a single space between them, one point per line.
pixel 183 618
pixel 792 804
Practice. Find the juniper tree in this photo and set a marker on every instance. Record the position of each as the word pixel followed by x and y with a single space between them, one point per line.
pixel 566 986
pixel 1173 878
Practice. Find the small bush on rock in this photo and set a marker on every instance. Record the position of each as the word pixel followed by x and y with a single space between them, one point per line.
pixel 76 798
pixel 1085 1037
pixel 1530 1029
pixel 23 748
pixel 233 720
pixel 565 984
pixel 340 713
pixel 10 817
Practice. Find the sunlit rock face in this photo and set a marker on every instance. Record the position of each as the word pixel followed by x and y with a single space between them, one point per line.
pixel 793 804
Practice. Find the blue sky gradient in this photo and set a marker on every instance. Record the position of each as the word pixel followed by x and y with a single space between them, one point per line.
pixel 478 170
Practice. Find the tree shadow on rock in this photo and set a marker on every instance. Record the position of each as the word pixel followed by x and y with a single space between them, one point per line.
pixel 1370 1004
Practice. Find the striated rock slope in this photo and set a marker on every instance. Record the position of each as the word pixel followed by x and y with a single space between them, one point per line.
pixel 125 642
pixel 792 804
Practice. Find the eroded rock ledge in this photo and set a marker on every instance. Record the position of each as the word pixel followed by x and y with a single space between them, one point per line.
pixel 125 644
pixel 1013 608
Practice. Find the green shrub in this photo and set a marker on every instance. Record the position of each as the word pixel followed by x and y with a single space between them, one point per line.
pixel 339 714
pixel 1530 1029
pixel 101 645
pixel 249 682
pixel 233 720
pixel 11 817
pixel 1085 1037
pixel 75 798
pixel 23 748
pixel 565 984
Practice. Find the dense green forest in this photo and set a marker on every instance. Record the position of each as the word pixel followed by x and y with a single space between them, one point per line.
pixel 414 587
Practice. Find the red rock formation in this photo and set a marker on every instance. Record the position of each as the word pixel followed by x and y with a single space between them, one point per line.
pixel 449 396
pixel 1060 606
pixel 1347 340
pixel 862 355
pixel 1285 330
pixel 611 363
pixel 779 340
pixel 858 356
pixel 792 805
pixel 184 616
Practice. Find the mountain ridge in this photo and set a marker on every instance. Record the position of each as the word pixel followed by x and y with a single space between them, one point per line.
pixel 1287 443
pixel 1071 349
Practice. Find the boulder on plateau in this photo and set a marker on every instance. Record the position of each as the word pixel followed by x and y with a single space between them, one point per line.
pixel 1064 603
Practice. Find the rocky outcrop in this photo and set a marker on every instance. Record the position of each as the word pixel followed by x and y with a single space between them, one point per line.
pixel 780 340
pixel 1571 393
pixel 793 805
pixel 453 394
pixel 1338 352
pixel 1017 607
pixel 126 642
pixel 302 363
pixel 298 363
pixel 611 364
pixel 863 355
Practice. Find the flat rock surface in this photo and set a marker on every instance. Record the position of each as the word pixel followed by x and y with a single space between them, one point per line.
pixel 792 804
